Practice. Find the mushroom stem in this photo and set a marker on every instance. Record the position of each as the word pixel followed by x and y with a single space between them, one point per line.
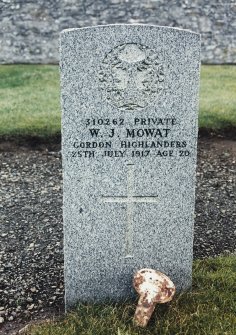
pixel 153 287
pixel 143 311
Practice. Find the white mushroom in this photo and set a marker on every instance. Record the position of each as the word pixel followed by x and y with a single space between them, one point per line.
pixel 153 287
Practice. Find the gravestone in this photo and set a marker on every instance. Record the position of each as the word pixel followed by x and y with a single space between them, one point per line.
pixel 129 100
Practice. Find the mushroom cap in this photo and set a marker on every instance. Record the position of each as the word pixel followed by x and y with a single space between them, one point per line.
pixel 155 285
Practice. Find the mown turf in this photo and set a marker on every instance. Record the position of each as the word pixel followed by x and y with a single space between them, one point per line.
pixel 210 309
pixel 29 100
pixel 218 97
pixel 30 104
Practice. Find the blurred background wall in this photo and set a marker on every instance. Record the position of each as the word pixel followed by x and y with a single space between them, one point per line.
pixel 29 30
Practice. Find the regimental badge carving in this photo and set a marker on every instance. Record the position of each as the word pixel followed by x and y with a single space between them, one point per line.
pixel 131 77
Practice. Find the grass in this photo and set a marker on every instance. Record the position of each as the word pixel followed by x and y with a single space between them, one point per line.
pixel 29 99
pixel 210 309
pixel 218 97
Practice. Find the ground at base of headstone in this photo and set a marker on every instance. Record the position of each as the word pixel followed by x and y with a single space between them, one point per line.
pixel 208 309
pixel 31 257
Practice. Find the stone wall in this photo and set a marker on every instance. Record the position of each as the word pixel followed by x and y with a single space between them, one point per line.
pixel 29 29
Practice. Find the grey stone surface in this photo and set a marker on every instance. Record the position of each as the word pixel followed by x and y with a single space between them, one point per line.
pixel 29 29
pixel 130 100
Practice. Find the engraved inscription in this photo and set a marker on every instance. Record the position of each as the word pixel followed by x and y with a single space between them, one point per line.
pixel 140 138
pixel 131 76
pixel 130 199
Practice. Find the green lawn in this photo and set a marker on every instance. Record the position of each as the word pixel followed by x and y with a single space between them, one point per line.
pixel 29 100
pixel 210 309
pixel 218 96
pixel 30 104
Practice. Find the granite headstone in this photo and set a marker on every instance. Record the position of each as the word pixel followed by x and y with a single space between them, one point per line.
pixel 130 102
